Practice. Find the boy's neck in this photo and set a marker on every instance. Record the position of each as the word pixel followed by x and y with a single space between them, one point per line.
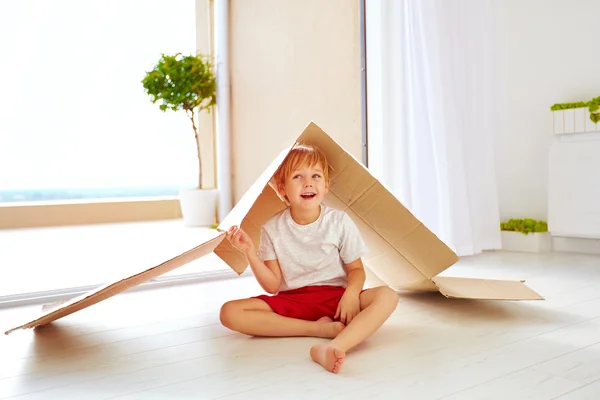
pixel 305 217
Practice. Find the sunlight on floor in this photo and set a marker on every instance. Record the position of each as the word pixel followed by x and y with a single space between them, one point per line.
pixel 36 259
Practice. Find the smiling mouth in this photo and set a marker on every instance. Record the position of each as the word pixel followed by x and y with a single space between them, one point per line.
pixel 308 195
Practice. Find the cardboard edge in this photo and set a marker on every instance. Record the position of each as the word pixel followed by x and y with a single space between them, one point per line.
pixel 425 285
pixel 234 258
pixel 438 281
pixel 58 310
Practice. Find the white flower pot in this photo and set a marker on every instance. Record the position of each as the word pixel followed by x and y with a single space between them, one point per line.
pixel 569 120
pixel 590 126
pixel 538 242
pixel 574 120
pixel 198 206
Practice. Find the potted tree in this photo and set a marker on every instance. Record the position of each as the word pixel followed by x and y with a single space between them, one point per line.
pixel 187 83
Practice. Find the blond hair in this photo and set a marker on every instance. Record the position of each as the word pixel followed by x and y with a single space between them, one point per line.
pixel 300 156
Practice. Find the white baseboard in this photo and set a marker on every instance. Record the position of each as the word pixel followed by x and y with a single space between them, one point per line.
pixel 575 245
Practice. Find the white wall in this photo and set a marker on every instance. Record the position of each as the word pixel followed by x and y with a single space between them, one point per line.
pixel 551 57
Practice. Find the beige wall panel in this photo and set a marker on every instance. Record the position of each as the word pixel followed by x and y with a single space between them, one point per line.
pixel 292 62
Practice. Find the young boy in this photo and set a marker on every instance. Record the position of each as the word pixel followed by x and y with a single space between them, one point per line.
pixel 309 260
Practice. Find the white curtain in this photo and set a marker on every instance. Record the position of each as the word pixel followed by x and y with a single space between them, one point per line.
pixel 434 107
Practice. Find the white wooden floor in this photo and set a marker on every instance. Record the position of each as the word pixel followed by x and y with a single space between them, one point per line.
pixel 168 344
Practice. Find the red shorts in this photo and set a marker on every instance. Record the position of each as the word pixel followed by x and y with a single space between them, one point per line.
pixel 308 303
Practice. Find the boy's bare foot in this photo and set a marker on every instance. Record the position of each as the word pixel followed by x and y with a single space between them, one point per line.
pixel 329 356
pixel 328 328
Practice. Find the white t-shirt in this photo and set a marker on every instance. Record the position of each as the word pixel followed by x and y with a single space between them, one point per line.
pixel 312 254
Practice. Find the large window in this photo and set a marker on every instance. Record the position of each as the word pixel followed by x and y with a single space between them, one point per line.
pixel 74 119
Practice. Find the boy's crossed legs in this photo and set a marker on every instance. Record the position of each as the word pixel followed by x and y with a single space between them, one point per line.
pixel 256 318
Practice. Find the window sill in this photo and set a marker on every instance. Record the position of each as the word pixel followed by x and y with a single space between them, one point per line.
pixel 88 211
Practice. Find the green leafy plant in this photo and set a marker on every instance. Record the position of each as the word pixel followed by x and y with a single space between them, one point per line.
pixel 566 106
pixel 524 226
pixel 179 82
pixel 593 106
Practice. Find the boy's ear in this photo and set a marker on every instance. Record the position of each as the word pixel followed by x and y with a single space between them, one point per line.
pixel 280 188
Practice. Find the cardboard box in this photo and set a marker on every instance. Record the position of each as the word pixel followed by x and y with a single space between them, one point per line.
pixel 404 254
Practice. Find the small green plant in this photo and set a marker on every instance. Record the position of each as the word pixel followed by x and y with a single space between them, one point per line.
pixel 185 83
pixel 567 106
pixel 593 106
pixel 524 226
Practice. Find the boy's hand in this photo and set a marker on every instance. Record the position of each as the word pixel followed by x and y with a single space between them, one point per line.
pixel 348 308
pixel 240 239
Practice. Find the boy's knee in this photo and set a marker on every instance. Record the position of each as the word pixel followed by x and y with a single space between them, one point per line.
pixel 389 297
pixel 227 314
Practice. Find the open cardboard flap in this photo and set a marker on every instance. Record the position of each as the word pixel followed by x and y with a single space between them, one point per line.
pixel 104 292
pixel 404 254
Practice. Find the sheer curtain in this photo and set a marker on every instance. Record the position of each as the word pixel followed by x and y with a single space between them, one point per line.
pixel 434 101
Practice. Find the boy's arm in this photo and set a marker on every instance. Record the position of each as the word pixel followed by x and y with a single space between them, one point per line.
pixel 352 247
pixel 268 273
pixel 356 277
pixel 349 305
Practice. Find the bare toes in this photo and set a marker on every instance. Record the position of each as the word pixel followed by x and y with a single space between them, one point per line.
pixel 330 357
pixel 336 368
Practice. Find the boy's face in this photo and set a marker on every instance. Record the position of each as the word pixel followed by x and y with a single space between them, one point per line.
pixel 305 187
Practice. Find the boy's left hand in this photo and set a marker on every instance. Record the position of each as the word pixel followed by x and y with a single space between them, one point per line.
pixel 348 308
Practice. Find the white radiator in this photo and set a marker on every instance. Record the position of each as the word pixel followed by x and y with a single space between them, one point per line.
pixel 574 186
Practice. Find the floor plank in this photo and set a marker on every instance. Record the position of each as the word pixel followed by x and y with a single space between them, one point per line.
pixel 587 392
